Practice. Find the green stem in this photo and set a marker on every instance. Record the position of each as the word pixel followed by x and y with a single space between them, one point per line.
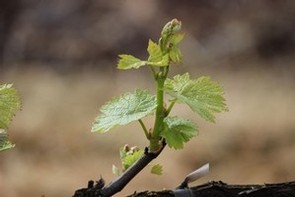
pixel 160 112
pixel 144 129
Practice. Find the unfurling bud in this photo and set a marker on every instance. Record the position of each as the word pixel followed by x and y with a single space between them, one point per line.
pixel 171 28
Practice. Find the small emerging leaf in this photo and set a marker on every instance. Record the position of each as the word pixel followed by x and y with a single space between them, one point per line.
pixel 157 169
pixel 9 104
pixel 129 61
pixel 156 58
pixel 130 159
pixel 162 63
pixel 178 131
pixel 202 95
pixel 154 51
pixel 4 142
pixel 124 109
pixel 175 54
pixel 176 38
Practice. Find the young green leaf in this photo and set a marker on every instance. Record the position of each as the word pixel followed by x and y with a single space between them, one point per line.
pixel 129 61
pixel 178 131
pixel 157 169
pixel 203 95
pixel 176 38
pixel 156 58
pixel 9 104
pixel 124 109
pixel 4 142
pixel 154 51
pixel 162 63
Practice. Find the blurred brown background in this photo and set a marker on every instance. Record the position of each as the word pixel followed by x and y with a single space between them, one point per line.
pixel 61 56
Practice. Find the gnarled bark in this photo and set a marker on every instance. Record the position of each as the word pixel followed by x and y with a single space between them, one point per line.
pixel 220 189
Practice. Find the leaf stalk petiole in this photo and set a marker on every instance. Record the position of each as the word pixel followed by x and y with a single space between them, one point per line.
pixel 170 107
pixel 147 134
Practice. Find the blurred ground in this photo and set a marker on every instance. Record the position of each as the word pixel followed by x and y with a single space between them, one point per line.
pixel 61 57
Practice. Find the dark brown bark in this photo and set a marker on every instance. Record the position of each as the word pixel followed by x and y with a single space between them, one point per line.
pixel 220 189
pixel 100 190
pixel 211 189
